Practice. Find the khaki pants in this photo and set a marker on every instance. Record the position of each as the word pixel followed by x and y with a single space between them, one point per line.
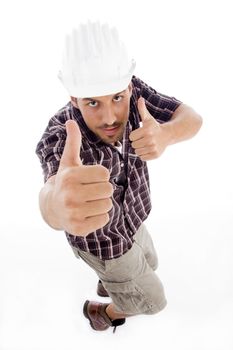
pixel 130 279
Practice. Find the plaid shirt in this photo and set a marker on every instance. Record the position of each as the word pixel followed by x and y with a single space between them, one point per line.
pixel 128 173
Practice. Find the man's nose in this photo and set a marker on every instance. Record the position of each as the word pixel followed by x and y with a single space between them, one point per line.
pixel 108 117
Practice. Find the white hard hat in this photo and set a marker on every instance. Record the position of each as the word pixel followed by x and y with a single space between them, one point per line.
pixel 95 62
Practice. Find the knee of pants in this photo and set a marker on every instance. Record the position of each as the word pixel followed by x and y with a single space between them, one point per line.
pixel 154 310
pixel 154 293
pixel 153 262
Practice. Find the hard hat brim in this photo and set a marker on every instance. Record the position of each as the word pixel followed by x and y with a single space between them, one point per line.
pixel 102 88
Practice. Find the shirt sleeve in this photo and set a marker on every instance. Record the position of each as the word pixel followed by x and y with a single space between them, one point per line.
pixel 52 143
pixel 160 106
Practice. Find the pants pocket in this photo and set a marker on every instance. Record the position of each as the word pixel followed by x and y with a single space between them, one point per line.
pixel 95 263
pixel 127 297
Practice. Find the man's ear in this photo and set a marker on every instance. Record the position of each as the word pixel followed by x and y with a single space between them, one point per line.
pixel 74 101
pixel 130 89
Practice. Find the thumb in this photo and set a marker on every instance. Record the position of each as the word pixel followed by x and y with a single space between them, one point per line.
pixel 71 153
pixel 144 113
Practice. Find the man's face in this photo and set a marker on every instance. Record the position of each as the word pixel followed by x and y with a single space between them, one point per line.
pixel 106 116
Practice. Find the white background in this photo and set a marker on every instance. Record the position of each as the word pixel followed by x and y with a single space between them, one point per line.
pixel 183 49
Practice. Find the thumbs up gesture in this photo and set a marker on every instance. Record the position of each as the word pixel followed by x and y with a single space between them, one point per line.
pixel 150 140
pixel 81 195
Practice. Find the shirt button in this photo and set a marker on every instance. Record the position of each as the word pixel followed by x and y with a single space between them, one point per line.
pixel 122 164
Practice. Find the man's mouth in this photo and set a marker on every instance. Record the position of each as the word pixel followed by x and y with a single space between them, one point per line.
pixel 111 131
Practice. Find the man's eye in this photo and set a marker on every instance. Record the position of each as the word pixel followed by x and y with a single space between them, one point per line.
pixel 92 103
pixel 118 98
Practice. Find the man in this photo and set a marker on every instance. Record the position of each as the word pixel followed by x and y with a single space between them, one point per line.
pixel 93 154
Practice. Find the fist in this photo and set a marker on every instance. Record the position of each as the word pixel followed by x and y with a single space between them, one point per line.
pixel 150 140
pixel 82 194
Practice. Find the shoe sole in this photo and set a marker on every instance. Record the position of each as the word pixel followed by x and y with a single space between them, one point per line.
pixel 85 306
pixel 85 310
pixel 103 295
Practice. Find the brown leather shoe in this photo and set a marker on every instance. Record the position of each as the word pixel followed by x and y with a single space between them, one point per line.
pixel 96 314
pixel 101 291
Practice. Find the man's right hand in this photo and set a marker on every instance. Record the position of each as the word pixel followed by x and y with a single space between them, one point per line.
pixel 81 196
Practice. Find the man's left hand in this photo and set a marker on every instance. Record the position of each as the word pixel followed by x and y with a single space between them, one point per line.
pixel 150 140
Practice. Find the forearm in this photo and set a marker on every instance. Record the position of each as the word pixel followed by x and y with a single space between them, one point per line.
pixel 47 207
pixel 184 124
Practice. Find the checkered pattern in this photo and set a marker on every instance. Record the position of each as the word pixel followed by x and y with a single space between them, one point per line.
pixel 131 198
